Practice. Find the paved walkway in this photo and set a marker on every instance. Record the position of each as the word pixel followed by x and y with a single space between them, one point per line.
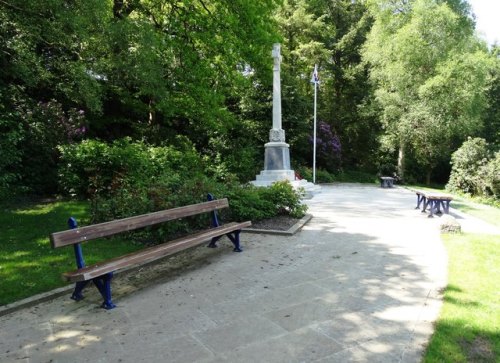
pixel 359 283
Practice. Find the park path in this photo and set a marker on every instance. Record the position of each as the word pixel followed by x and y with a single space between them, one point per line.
pixel 360 282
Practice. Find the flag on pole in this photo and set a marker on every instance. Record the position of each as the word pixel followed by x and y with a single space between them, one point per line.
pixel 315 76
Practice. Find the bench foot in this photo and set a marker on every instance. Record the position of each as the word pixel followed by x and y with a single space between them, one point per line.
pixel 103 284
pixel 108 305
pixel 77 293
pixel 233 236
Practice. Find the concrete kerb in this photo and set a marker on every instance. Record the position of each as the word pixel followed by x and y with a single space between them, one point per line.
pixel 290 232
pixel 35 300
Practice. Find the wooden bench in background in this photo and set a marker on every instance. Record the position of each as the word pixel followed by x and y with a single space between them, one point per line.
pixel 434 201
pixel 101 273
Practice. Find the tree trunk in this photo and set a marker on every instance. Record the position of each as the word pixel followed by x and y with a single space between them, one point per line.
pixel 401 160
pixel 428 177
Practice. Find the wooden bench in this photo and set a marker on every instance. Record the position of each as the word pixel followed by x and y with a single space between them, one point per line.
pixel 101 273
pixel 386 182
pixel 433 201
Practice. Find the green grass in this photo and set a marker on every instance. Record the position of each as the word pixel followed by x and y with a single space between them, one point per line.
pixel 28 263
pixel 468 329
pixel 485 212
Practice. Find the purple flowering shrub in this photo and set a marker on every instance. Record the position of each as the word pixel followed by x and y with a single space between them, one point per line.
pixel 328 147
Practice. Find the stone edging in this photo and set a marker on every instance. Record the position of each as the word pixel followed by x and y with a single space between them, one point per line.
pixel 290 232
pixel 35 299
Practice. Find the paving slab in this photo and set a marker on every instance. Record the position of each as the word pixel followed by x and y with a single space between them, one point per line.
pixel 360 282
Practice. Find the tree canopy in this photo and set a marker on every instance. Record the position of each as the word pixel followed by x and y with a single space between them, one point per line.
pixel 396 75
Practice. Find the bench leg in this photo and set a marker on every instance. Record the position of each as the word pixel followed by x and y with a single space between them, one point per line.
pixel 233 236
pixel 432 206
pixel 236 240
pixel 427 203
pixel 420 200
pixel 213 242
pixel 77 293
pixel 103 284
pixel 438 206
pixel 446 206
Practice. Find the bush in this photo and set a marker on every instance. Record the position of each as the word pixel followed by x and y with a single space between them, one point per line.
pixel 489 177
pixel 322 176
pixel 286 200
pixel 466 163
pixel 93 168
pixel 123 179
pixel 247 202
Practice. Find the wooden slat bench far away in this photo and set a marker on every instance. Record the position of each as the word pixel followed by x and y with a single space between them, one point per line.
pixel 101 273
pixel 434 201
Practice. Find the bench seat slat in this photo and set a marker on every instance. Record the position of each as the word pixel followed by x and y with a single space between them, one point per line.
pixel 151 253
pixel 88 233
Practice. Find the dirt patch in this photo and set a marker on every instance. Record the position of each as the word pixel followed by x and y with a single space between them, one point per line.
pixel 479 350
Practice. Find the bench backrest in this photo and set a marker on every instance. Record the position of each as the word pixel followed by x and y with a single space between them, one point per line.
pixel 88 233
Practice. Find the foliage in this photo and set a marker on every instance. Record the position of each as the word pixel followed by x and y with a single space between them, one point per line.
pixel 489 177
pixel 356 176
pixel 491 130
pixel 345 97
pixel 285 199
pixel 430 74
pixel 148 70
pixel 322 176
pixel 246 202
pixel 128 178
pixel 168 71
pixel 93 168
pixel 468 162
pixel 328 147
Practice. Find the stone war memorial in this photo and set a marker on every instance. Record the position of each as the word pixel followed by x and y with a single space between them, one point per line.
pixel 277 151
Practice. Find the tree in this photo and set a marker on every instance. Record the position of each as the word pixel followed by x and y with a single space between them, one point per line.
pixel 346 98
pixel 431 75
pixel 151 70
pixel 43 84
pixel 330 34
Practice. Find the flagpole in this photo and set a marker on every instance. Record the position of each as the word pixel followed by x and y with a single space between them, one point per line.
pixel 314 133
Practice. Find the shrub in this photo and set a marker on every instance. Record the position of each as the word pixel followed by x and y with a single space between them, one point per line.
pixel 125 178
pixel 94 167
pixel 322 176
pixel 286 200
pixel 247 202
pixel 489 177
pixel 466 163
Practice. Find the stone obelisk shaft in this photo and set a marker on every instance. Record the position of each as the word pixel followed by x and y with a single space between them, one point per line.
pixel 276 87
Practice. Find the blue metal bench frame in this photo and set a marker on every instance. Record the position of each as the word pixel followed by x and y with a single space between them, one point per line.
pixel 433 202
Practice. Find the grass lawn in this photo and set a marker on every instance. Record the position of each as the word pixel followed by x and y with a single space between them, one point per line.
pixel 468 329
pixel 28 263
